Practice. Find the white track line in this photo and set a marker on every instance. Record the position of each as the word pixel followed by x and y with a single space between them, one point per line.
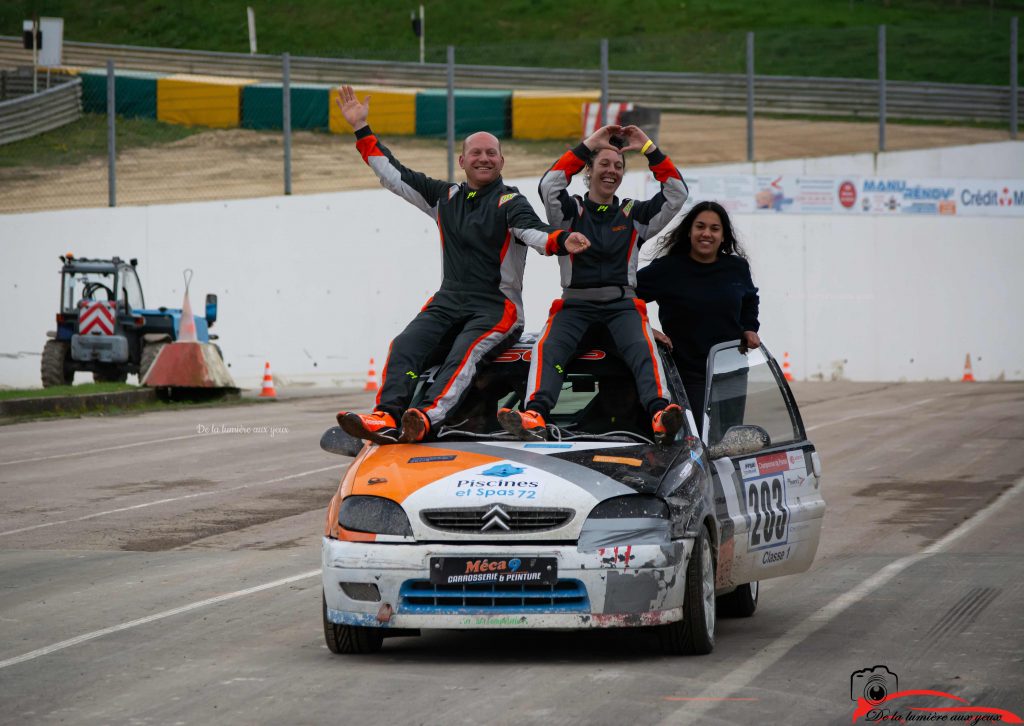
pixel 741 676
pixel 98 451
pixel 170 499
pixel 151 618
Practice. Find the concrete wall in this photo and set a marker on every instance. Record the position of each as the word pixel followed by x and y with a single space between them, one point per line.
pixel 319 284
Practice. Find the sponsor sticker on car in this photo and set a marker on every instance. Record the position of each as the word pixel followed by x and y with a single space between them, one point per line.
pixel 493 570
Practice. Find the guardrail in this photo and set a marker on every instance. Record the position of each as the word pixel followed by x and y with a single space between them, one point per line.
pixel 695 92
pixel 33 114
pixel 14 83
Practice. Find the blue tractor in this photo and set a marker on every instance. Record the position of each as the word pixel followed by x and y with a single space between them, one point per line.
pixel 105 327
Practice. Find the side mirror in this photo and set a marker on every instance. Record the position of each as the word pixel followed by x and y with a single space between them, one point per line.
pixel 211 309
pixel 740 441
pixel 336 441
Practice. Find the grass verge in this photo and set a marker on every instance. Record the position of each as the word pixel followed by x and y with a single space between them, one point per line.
pixel 82 389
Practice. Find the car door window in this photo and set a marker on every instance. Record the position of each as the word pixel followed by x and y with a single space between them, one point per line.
pixel 746 390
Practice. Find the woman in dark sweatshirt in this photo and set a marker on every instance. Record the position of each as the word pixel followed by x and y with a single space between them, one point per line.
pixel 704 292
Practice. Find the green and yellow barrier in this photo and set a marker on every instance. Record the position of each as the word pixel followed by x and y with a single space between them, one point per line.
pixel 213 101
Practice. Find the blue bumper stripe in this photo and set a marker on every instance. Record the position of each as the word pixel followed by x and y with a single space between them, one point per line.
pixel 421 597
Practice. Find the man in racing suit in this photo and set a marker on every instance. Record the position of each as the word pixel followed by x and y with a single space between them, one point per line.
pixel 599 286
pixel 485 227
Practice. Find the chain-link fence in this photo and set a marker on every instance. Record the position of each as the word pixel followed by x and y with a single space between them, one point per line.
pixel 189 126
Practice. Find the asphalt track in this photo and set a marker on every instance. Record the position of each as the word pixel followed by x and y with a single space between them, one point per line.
pixel 163 568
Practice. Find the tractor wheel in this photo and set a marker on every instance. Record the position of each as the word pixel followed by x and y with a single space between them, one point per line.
pixel 55 368
pixel 110 374
pixel 149 353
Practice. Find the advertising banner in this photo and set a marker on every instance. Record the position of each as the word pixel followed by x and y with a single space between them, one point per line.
pixel 790 194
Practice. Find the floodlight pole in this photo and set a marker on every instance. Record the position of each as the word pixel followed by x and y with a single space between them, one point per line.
pixel 604 83
pixel 881 88
pixel 286 118
pixel 111 136
pixel 451 113
pixel 423 36
pixel 35 54
pixel 750 96
pixel 1013 78
pixel 252 30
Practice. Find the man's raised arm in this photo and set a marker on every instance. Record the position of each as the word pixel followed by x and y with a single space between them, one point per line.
pixel 413 186
pixel 526 226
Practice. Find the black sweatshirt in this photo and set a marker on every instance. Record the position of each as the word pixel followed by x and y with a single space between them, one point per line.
pixel 700 305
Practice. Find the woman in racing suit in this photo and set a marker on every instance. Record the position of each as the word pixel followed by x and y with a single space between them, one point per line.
pixel 599 287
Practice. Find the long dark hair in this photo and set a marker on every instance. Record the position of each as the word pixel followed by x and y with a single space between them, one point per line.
pixel 677 242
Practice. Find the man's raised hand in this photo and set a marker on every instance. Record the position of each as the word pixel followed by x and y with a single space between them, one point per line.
pixel 576 243
pixel 355 113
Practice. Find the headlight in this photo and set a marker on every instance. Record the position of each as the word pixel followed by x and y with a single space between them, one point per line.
pixel 375 515
pixel 631 506
pixel 633 519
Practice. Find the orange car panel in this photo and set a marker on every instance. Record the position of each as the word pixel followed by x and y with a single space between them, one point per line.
pixel 393 472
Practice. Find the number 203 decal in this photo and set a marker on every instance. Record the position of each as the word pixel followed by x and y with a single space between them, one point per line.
pixel 766 500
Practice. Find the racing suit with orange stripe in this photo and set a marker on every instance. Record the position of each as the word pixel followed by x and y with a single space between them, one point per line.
pixel 598 287
pixel 478 311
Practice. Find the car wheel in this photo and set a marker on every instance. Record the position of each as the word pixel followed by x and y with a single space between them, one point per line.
pixel 695 634
pixel 350 639
pixel 741 602
pixel 55 368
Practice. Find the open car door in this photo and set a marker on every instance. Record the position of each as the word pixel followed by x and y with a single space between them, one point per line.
pixel 766 473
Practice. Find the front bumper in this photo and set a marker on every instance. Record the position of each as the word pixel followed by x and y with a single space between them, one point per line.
pixel 615 587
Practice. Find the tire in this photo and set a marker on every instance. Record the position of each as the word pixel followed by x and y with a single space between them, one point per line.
pixel 110 374
pixel 741 602
pixel 695 634
pixel 55 368
pixel 149 353
pixel 350 639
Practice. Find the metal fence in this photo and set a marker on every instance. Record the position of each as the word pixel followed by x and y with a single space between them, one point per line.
pixel 273 142
pixel 28 114
pixel 691 92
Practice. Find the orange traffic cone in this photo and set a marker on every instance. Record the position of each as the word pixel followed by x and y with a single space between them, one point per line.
pixel 968 373
pixel 785 367
pixel 371 378
pixel 268 383
pixel 187 326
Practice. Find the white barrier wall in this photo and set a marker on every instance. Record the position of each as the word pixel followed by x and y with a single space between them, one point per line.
pixel 318 285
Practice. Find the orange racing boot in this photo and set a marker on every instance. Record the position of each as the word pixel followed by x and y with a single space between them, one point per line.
pixel 378 427
pixel 526 425
pixel 666 423
pixel 415 426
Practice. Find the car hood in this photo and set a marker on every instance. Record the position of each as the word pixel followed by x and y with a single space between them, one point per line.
pixel 448 489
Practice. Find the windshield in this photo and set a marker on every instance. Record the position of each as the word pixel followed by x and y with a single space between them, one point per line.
pixel 598 401
pixel 85 287
pixel 131 290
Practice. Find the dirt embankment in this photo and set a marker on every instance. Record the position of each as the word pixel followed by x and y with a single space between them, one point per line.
pixel 239 163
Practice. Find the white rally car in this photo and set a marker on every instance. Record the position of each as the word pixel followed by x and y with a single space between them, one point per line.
pixel 597 527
